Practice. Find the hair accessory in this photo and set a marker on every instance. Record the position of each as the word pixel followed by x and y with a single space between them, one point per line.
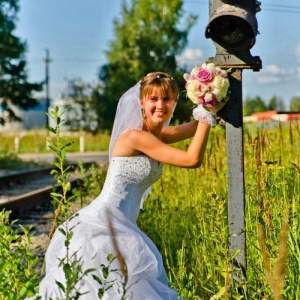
pixel 204 116
pixel 158 76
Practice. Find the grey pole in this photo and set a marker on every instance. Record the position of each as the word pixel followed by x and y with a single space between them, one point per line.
pixel 235 169
pixel 233 28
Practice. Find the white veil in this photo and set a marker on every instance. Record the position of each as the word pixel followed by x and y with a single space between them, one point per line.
pixel 128 115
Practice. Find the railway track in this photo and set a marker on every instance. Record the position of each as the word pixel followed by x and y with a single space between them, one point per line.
pixel 26 192
pixel 27 195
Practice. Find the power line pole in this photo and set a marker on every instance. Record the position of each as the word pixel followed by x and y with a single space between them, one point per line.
pixel 47 61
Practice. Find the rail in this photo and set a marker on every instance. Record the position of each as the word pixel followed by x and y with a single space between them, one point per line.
pixel 25 189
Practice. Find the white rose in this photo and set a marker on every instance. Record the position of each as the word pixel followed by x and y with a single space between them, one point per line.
pixel 220 87
pixel 193 91
pixel 208 97
pixel 209 66
pixel 187 77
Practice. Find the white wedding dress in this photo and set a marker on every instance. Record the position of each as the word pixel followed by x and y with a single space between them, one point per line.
pixel 127 180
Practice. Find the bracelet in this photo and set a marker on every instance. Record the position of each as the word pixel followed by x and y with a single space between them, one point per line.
pixel 204 116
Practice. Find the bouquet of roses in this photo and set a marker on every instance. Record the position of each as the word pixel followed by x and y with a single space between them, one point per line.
pixel 207 85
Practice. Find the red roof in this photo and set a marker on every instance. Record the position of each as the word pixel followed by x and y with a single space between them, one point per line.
pixel 274 115
pixel 264 115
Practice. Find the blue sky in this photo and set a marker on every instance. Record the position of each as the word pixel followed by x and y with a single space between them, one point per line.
pixel 77 34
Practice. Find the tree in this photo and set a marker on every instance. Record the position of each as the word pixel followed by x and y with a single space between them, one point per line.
pixel 81 105
pixel 14 87
pixel 147 39
pixel 254 105
pixel 295 104
pixel 275 103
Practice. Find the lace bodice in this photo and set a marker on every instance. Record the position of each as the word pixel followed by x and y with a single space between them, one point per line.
pixel 126 182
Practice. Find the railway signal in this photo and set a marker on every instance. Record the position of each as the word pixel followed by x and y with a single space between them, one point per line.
pixel 233 28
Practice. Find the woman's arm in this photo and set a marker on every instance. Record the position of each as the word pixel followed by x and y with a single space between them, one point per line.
pixel 135 142
pixel 174 134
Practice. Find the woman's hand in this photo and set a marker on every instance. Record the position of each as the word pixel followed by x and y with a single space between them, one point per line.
pixel 218 106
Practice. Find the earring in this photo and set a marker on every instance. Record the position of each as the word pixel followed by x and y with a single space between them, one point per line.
pixel 143 114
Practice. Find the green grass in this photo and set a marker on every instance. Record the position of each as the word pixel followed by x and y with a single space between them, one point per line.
pixel 186 216
pixel 35 141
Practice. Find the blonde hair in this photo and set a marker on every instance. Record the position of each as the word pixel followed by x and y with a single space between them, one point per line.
pixel 161 80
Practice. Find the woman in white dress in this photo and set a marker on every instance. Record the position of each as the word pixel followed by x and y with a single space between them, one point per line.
pixel 139 145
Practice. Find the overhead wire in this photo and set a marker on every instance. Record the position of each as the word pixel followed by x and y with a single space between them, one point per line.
pixel 265 6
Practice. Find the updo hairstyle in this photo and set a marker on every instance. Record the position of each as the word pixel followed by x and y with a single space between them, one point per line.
pixel 161 80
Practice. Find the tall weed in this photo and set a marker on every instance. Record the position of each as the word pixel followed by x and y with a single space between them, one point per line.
pixel 186 216
pixel 18 262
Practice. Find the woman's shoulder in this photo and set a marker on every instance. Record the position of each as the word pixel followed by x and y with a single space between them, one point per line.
pixel 133 133
pixel 135 137
pixel 126 144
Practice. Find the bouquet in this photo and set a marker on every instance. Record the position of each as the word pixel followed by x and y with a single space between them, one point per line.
pixel 207 85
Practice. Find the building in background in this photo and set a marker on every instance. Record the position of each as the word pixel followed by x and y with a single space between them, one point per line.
pixel 33 118
pixel 272 115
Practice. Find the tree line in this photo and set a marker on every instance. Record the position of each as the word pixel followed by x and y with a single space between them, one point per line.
pixel 148 36
pixel 257 104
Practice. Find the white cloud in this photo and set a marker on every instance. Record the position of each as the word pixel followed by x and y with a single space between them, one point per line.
pixel 191 57
pixel 276 74
pixel 273 69
pixel 276 70
pixel 269 74
pixel 298 73
pixel 192 54
pixel 268 79
pixel 297 52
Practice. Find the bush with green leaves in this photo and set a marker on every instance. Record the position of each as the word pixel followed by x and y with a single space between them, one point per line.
pixel 18 262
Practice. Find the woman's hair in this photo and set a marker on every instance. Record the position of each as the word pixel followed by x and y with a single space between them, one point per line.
pixel 166 83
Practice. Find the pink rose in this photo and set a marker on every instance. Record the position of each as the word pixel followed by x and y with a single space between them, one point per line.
pixel 204 75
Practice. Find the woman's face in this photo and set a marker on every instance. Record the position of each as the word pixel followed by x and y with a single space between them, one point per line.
pixel 158 106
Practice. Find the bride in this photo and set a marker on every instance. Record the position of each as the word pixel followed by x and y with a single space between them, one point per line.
pixel 105 232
